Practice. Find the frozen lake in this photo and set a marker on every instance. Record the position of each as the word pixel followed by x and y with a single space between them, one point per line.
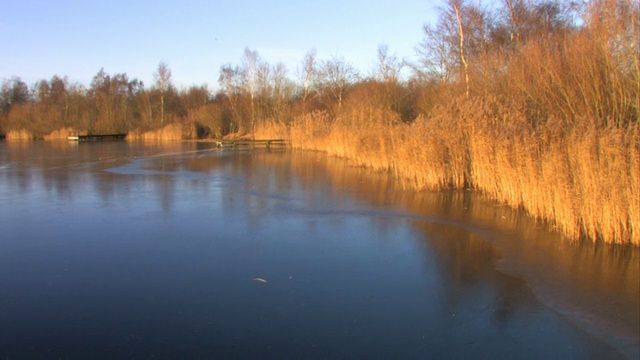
pixel 123 249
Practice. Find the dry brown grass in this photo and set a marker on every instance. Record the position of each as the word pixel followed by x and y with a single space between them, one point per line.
pixel 311 132
pixel 60 134
pixel 583 179
pixel 271 129
pixel 170 132
pixel 19 135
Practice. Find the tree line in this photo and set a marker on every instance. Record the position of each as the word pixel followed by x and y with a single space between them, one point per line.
pixel 531 51
pixel 251 92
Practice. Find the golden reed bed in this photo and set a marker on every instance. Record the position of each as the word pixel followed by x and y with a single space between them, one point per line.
pixel 585 180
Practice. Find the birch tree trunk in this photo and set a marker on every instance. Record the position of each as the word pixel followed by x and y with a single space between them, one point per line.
pixel 462 57
pixel 163 81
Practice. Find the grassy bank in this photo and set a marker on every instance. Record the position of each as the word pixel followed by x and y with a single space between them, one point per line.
pixel 582 178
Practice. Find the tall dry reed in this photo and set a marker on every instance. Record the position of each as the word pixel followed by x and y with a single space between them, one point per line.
pixel 271 129
pixel 19 135
pixel 60 134
pixel 584 179
pixel 170 132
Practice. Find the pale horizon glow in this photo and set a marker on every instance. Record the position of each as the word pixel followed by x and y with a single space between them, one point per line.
pixel 76 38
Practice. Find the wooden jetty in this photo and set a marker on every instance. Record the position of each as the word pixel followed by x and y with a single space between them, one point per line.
pixel 251 142
pixel 98 137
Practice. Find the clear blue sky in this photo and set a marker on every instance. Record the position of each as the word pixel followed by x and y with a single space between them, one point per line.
pixel 75 38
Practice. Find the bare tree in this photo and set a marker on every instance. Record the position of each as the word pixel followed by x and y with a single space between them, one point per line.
pixel 13 92
pixel 263 80
pixel 457 43
pixel 250 63
pixel 516 14
pixel 308 66
pixel 230 81
pixel 281 88
pixel 162 82
pixel 440 49
pixel 388 65
pixel 435 54
pixel 456 5
pixel 335 76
